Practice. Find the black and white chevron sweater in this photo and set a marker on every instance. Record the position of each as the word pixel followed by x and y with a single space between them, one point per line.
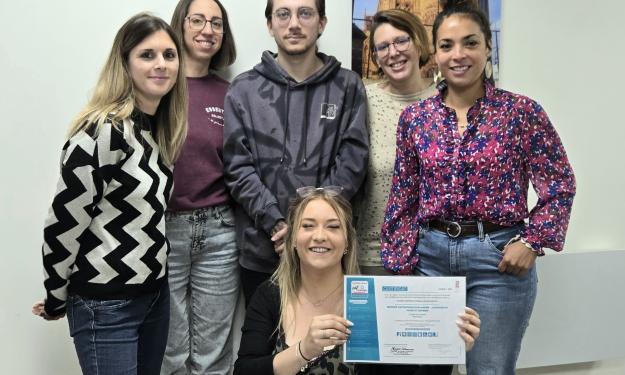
pixel 104 236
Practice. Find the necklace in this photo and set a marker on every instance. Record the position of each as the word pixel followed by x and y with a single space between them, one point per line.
pixel 321 301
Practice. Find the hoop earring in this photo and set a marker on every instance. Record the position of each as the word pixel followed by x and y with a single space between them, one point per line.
pixel 488 70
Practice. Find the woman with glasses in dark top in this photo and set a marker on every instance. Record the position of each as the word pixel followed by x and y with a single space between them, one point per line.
pixel 294 322
pixel 203 268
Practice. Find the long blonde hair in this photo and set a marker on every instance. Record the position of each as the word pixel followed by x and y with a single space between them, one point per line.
pixel 114 99
pixel 288 276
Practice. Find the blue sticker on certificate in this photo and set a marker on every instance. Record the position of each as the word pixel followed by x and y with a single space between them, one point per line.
pixel 404 319
pixel 362 312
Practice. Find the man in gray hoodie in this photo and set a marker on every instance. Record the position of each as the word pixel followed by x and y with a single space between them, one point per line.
pixel 297 119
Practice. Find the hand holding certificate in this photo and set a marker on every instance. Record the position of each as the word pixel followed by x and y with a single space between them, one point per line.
pixel 407 320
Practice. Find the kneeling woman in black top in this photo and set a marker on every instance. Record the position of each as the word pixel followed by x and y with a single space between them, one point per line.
pixel 298 312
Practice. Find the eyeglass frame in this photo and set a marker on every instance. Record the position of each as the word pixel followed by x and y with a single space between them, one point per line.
pixel 286 22
pixel 331 190
pixel 399 40
pixel 223 27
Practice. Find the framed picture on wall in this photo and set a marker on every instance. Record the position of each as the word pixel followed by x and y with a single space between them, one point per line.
pixel 426 10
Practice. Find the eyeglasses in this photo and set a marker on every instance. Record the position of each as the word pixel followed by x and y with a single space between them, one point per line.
pixel 331 190
pixel 304 15
pixel 197 22
pixel 401 44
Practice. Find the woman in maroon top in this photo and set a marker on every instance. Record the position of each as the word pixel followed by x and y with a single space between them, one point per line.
pixel 203 269
pixel 458 201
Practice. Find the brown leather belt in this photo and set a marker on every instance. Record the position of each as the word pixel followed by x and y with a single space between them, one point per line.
pixel 463 228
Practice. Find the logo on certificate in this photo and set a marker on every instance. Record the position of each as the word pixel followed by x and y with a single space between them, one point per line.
pixel 359 287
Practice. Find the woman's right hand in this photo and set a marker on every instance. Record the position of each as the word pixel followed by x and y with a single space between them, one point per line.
pixel 324 331
pixel 39 310
pixel 277 236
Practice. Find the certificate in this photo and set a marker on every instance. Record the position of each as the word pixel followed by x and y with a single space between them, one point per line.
pixel 404 319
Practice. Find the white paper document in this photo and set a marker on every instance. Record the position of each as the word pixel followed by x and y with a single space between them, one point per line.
pixel 404 319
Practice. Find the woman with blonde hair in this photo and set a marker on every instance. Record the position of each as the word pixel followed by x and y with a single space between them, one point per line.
pixel 299 309
pixel 105 249
pixel 294 322
pixel 203 263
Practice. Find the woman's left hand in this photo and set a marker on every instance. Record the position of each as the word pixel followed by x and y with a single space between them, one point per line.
pixel 517 259
pixel 469 325
pixel 39 310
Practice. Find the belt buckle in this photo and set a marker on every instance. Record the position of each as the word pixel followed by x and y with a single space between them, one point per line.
pixel 458 228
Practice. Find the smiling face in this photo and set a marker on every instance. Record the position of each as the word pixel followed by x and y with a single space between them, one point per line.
pixel 321 237
pixel 298 35
pixel 397 66
pixel 153 66
pixel 202 45
pixel 461 52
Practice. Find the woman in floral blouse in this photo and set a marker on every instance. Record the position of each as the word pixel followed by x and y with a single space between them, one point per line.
pixel 458 201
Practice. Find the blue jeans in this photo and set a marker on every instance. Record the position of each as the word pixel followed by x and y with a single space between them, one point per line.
pixel 204 285
pixel 503 301
pixel 120 337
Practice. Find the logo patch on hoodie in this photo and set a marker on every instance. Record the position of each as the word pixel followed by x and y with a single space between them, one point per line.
pixel 328 111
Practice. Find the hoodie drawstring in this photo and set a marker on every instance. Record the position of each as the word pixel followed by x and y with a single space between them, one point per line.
pixel 335 144
pixel 305 135
pixel 286 126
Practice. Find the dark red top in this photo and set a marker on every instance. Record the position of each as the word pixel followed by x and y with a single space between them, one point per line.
pixel 198 173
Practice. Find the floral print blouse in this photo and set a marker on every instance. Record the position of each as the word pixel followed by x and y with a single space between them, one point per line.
pixel 483 174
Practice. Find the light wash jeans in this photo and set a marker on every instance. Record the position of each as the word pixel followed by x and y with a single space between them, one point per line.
pixel 503 301
pixel 120 337
pixel 204 285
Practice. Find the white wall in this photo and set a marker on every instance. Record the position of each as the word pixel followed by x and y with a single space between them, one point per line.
pixel 567 55
pixel 564 53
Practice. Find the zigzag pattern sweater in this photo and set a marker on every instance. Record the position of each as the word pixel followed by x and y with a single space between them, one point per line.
pixel 104 236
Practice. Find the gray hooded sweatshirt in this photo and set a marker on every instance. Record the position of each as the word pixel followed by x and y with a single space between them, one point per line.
pixel 280 135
